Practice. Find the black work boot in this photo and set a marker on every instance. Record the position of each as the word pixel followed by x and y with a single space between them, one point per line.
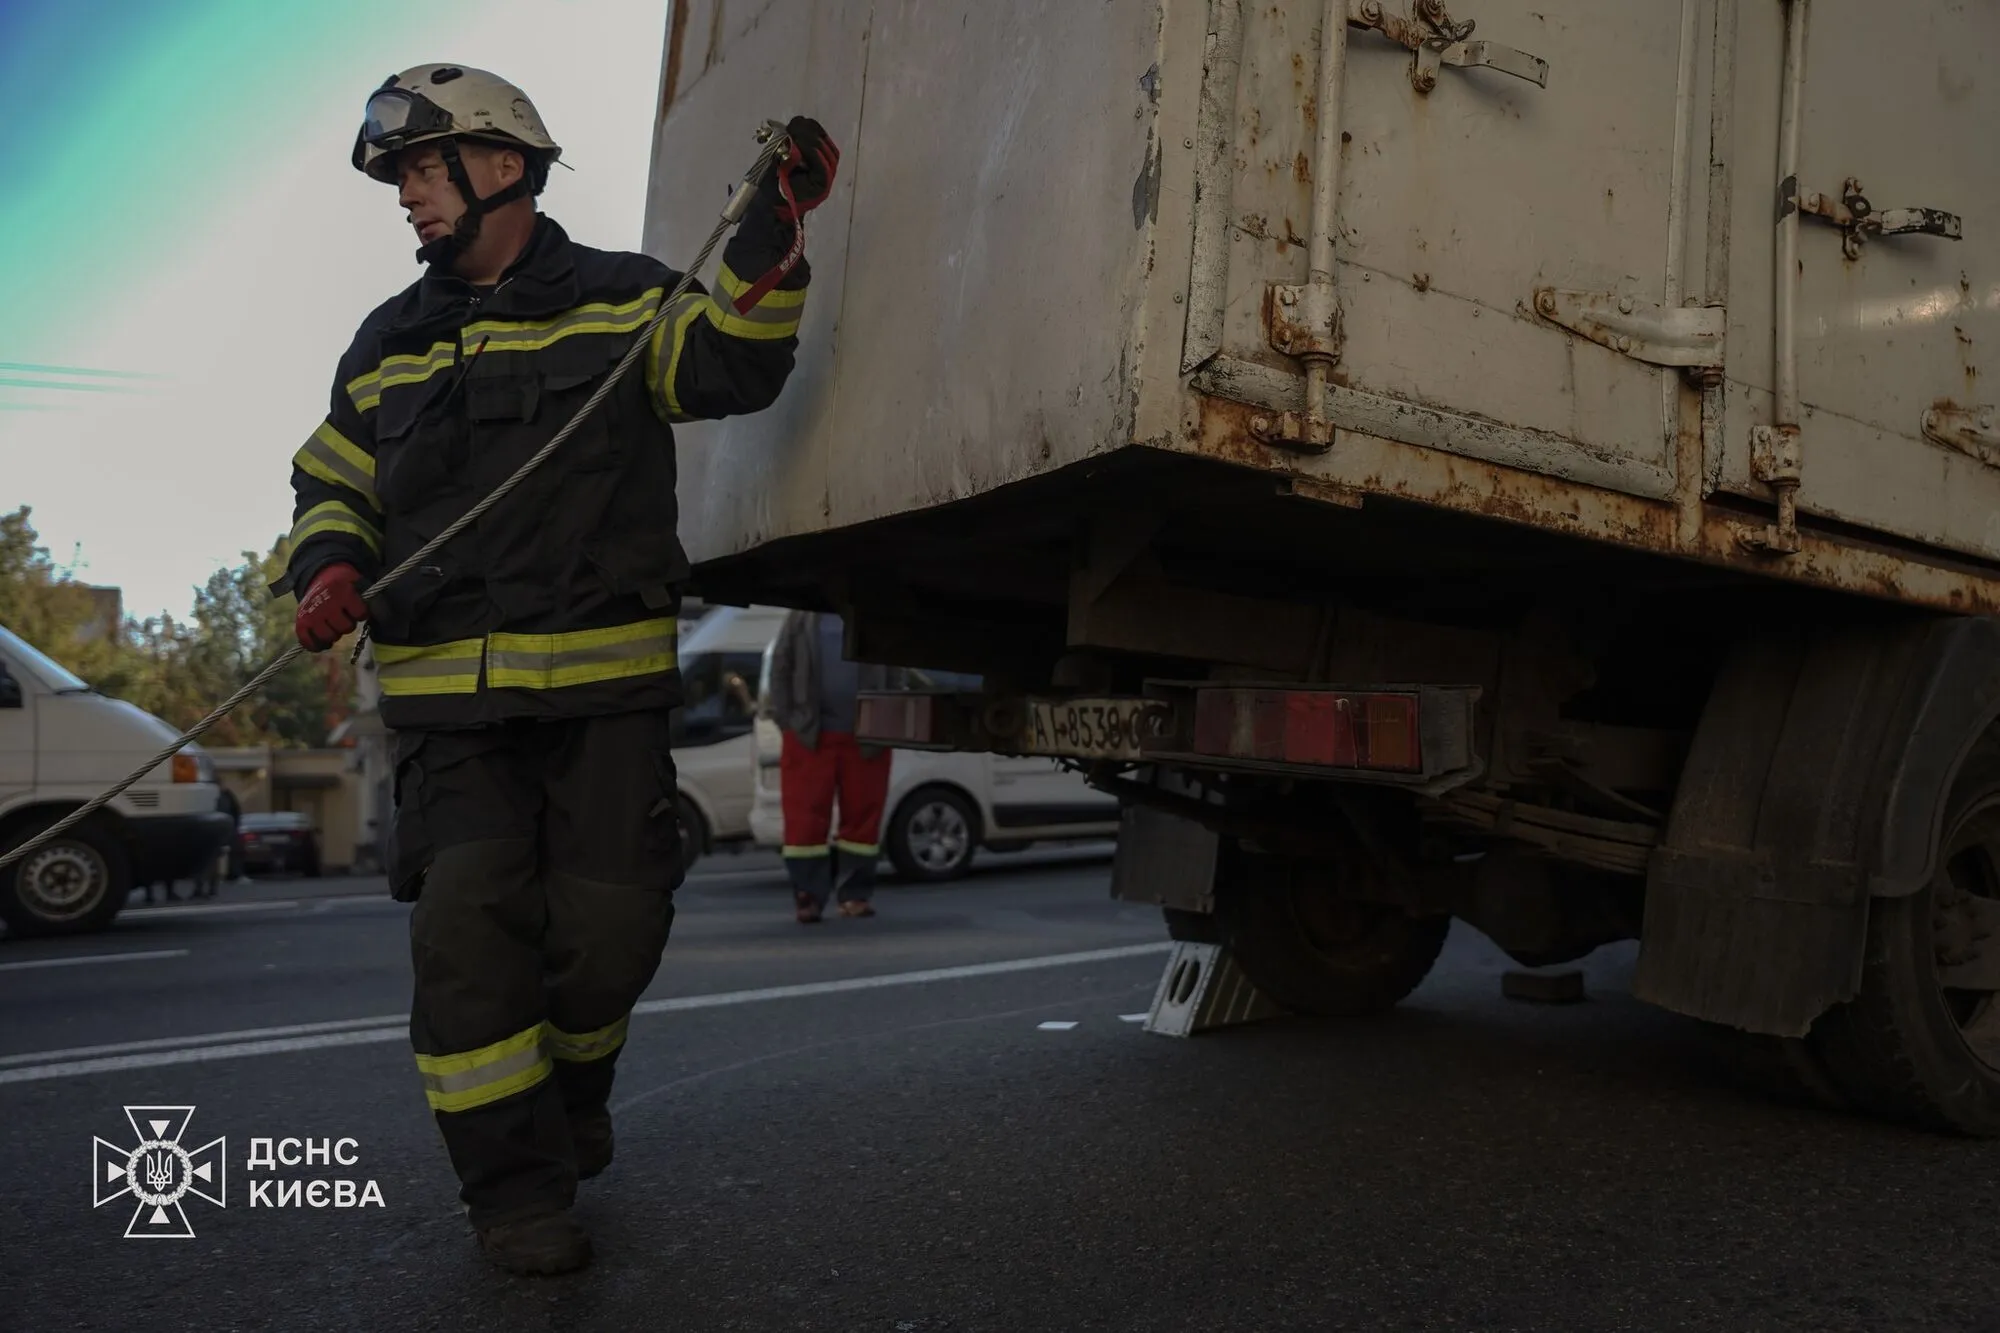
pixel 542 1244
pixel 591 1133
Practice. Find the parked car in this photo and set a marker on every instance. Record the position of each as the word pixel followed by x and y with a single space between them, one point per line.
pixel 943 808
pixel 281 841
pixel 61 743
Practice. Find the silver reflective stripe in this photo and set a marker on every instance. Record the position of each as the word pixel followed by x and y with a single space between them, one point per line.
pixel 589 1045
pixel 343 472
pixel 509 1066
pixel 429 666
pixel 650 646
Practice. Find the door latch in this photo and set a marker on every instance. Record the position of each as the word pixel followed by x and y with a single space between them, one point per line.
pixel 1437 40
pixel 1858 220
pixel 1688 337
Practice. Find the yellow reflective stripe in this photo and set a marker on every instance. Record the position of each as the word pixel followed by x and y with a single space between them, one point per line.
pixel 440 668
pixel 581 657
pixel 338 461
pixel 807 853
pixel 476 1078
pixel 670 338
pixel 733 287
pixel 335 516
pixel 774 316
pixel 858 848
pixel 404 368
pixel 585 1046
pixel 512 335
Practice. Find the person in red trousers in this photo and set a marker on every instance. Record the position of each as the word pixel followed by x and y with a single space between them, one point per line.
pixel 813 690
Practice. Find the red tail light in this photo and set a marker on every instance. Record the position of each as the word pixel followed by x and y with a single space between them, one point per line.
pixel 1324 728
pixel 896 719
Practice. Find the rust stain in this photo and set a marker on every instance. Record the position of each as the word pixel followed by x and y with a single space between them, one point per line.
pixel 1222 431
pixel 1301 169
pixel 676 43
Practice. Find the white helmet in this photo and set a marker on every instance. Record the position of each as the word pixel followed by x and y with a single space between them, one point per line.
pixel 433 102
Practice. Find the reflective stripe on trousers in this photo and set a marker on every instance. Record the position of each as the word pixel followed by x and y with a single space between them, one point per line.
pixel 471 1079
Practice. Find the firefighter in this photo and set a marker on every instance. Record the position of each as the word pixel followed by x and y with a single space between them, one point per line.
pixel 527 671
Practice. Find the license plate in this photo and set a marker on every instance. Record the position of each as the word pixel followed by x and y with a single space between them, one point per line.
pixel 1087 728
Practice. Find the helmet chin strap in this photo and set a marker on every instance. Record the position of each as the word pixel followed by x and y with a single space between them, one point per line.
pixel 447 249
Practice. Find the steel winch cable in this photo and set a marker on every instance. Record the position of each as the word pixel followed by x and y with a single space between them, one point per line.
pixel 776 144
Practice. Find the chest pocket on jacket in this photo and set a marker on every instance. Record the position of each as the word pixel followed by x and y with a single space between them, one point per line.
pixel 564 376
pixel 420 447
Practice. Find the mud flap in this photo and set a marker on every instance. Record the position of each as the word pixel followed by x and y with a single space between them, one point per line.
pixel 1804 792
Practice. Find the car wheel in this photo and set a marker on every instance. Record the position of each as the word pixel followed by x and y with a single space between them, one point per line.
pixel 932 835
pixel 74 884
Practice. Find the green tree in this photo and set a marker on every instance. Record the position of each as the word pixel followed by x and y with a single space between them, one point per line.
pixel 179 670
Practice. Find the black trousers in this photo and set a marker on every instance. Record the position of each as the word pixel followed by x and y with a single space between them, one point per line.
pixel 542 857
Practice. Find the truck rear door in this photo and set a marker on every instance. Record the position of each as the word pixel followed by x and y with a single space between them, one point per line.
pixel 1466 190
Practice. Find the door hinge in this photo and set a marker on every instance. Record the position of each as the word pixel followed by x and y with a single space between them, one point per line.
pixel 1436 40
pixel 1292 327
pixel 1774 460
pixel 1973 431
pixel 1689 336
pixel 1858 220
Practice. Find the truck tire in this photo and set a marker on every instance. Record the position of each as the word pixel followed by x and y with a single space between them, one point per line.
pixel 933 834
pixel 71 886
pixel 1907 1047
pixel 1316 953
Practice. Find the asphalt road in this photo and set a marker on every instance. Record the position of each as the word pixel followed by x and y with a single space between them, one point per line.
pixel 876 1150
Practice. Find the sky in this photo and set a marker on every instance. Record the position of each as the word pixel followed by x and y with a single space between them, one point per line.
pixel 186 249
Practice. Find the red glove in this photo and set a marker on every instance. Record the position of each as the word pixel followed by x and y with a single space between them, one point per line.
pixel 805 177
pixel 331 607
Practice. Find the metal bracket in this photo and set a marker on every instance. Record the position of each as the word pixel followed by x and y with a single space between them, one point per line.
pixel 1686 336
pixel 1202 988
pixel 1774 460
pixel 1293 430
pixel 1973 431
pixel 1436 40
pixel 1858 220
pixel 1291 329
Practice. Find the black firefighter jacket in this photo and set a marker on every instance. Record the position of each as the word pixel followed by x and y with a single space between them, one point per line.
pixel 561 600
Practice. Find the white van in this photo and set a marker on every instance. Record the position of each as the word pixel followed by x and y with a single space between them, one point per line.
pixel 715 747
pixel 944 807
pixel 61 743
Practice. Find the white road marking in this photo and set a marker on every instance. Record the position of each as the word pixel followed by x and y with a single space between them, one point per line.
pixel 1133 1018
pixel 1056 1025
pixel 81 960
pixel 274 905
pixel 160 1052
pixel 204 1039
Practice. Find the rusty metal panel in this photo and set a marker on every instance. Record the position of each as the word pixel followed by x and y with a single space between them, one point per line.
pixel 1021 267
pixel 1900 98
pixel 978 273
pixel 1457 204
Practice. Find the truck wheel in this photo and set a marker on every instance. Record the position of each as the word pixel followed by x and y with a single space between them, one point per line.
pixel 73 885
pixel 1921 1041
pixel 932 835
pixel 1317 953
